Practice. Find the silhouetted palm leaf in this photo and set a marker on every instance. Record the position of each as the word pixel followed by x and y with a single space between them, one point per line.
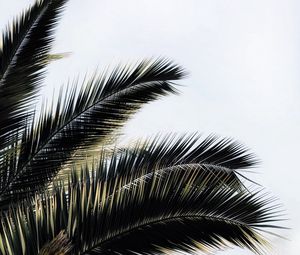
pixel 167 211
pixel 23 53
pixel 221 156
pixel 81 120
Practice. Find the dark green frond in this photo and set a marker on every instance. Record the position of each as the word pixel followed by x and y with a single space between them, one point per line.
pixel 24 48
pixel 221 156
pixel 169 210
pixel 85 118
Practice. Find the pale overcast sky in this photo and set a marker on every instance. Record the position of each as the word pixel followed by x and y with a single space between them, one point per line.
pixel 243 58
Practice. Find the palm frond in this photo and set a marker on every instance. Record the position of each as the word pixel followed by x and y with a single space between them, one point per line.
pixel 24 50
pixel 81 119
pixel 221 156
pixel 224 158
pixel 168 211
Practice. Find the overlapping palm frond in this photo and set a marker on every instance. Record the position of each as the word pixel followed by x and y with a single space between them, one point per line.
pixel 23 53
pixel 164 194
pixel 84 118
pixel 167 211
pixel 25 47
pixel 223 157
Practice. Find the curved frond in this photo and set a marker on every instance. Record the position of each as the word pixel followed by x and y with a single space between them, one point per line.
pixel 81 120
pixel 169 211
pixel 220 156
pixel 24 50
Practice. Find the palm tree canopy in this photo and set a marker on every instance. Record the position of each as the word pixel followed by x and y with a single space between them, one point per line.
pixel 168 193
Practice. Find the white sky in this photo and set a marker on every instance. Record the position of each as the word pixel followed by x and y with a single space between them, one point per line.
pixel 243 59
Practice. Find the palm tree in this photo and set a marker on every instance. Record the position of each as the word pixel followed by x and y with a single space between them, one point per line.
pixel 58 195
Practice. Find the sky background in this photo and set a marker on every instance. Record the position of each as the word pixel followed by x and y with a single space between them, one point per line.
pixel 243 58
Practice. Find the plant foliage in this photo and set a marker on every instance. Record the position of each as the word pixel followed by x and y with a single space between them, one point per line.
pixel 169 193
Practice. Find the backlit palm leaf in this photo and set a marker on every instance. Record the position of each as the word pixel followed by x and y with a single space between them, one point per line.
pixel 168 211
pixel 221 156
pixel 24 48
pixel 23 53
pixel 81 120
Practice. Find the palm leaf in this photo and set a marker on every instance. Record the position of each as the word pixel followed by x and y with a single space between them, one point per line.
pixel 224 158
pixel 23 53
pixel 83 118
pixel 24 50
pixel 221 156
pixel 169 211
pixel 166 212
